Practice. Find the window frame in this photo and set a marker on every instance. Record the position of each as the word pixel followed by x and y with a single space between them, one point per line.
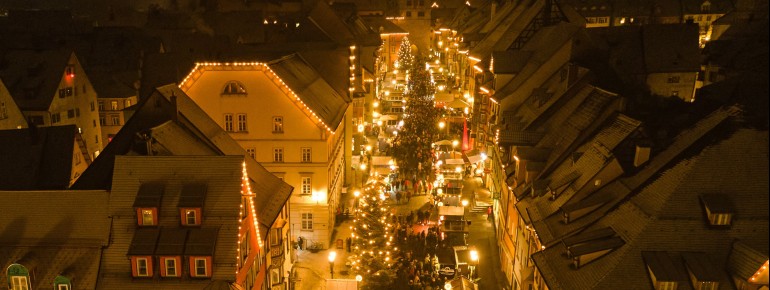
pixel 306 154
pixel 113 105
pixel 185 218
pixel 234 87
pixel 306 217
pixel 176 263
pixel 306 188
pixel 278 155
pixel 194 263
pixel 140 216
pixel 278 124
pixel 242 122
pixel 228 123
pixel 147 267
pixel 252 152
pixel 16 285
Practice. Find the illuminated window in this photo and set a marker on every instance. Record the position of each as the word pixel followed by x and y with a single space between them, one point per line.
pixel 674 79
pixel 277 124
pixel 190 217
pixel 114 105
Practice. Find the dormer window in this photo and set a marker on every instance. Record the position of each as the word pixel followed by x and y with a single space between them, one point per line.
pixel 191 204
pixel 705 7
pixel 141 251
pixel 702 272
pixel 665 272
pixel 200 251
pixel 170 250
pixel 62 283
pixel 18 277
pixel 147 203
pixel 718 209
pixel 234 88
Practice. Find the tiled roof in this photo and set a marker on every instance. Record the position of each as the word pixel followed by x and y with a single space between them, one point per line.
pixel 382 25
pixel 311 88
pixel 745 260
pixel 716 7
pixel 37 158
pixel 51 239
pixel 680 227
pixel 32 77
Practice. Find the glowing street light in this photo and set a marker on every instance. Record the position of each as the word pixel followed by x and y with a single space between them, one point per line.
pixel 441 125
pixel 332 256
pixel 474 262
pixel 465 202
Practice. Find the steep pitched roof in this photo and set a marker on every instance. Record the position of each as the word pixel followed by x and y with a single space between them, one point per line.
pixel 653 220
pixel 311 88
pixel 37 158
pixel 382 25
pixel 170 104
pixel 52 239
pixel 32 77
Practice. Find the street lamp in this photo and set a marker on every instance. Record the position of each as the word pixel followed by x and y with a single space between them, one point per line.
pixel 474 262
pixel 356 194
pixel 332 256
pixel 465 202
pixel 362 167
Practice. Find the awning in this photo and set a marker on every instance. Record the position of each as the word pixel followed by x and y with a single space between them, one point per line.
pixel 388 117
pixel 458 104
pixel 450 210
pixel 455 161
pixel 381 160
pixel 461 283
pixel 472 156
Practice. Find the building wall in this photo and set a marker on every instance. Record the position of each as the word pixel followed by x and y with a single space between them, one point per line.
pixel 663 84
pixel 79 162
pixel 10 115
pixel 107 115
pixel 263 101
pixel 83 105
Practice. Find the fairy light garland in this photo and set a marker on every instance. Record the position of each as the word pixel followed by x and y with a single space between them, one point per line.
pixel 201 67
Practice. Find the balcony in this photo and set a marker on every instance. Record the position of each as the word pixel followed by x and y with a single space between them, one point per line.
pixel 276 250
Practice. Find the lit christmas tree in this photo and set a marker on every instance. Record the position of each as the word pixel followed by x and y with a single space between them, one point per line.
pixel 405 57
pixel 373 238
pixel 412 145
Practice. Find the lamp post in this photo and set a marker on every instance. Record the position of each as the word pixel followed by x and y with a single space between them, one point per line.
pixel 363 167
pixel 332 256
pixel 474 262
pixel 356 194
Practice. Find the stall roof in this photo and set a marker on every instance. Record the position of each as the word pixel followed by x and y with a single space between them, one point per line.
pixel 451 210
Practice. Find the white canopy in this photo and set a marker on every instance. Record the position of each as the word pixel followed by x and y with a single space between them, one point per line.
pixel 451 210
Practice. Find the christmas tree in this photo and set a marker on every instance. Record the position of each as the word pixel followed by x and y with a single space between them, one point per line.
pixel 412 145
pixel 405 57
pixel 375 246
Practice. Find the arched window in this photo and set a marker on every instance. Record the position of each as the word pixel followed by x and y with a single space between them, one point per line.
pixel 18 277
pixel 234 88
pixel 62 283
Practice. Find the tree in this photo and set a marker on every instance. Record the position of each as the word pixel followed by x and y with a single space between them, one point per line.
pixel 412 145
pixel 405 57
pixel 373 239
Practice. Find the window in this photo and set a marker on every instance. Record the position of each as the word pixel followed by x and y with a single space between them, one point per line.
pixel 101 106
pixel 396 110
pixel 420 14
pixel 409 14
pixel 96 139
pixel 62 93
pixel 115 120
pixel 63 287
pixel 306 154
pixel 229 122
pixel 92 107
pixel 84 88
pixel 170 265
pixel 307 221
pixel 102 121
pixel 147 216
pixel 602 20
pixel 142 267
pixel 77 112
pixel 705 7
pixel 19 283
pixel 277 154
pixel 234 88
pixel 673 79
pixel 190 217
pixel 3 111
pixel 277 124
pixel 408 3
pixel 200 267
pixel 70 114
pixel 127 103
pixel 242 123
pixel 252 152
pixel 306 188
pixel 275 236
pixel 76 158
pixel 55 118
pixel 114 105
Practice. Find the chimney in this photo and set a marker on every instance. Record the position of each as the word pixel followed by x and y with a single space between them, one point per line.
pixel 642 155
